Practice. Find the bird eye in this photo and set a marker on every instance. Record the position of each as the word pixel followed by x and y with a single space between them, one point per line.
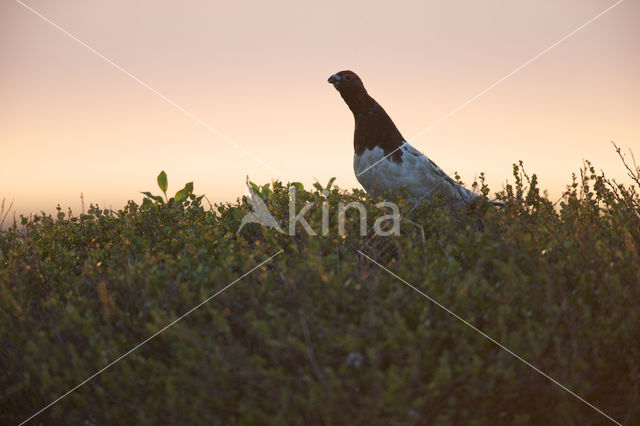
pixel 348 77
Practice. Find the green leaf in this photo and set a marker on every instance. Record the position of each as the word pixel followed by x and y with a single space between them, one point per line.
pixel 184 192
pixel 146 203
pixel 180 196
pixel 265 190
pixel 162 182
pixel 333 179
pixel 157 198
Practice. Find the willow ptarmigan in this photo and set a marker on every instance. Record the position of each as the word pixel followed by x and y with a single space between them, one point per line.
pixel 383 160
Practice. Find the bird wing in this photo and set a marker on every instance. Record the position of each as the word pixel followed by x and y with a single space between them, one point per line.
pixel 428 177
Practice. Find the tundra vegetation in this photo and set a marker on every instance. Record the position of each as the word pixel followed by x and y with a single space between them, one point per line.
pixel 320 334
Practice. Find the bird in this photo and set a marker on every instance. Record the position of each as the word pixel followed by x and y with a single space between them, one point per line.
pixel 383 161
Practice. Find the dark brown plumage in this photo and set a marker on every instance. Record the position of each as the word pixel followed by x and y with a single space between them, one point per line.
pixel 373 126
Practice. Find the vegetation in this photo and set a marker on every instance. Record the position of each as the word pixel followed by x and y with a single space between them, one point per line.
pixel 319 334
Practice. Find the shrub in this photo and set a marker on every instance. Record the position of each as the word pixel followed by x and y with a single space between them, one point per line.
pixel 319 334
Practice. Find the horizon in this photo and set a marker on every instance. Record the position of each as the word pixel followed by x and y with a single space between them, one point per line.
pixel 73 123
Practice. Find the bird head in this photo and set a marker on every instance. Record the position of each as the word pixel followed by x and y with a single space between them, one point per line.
pixel 347 82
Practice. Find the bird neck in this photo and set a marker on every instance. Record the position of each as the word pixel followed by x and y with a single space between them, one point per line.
pixel 373 126
pixel 358 102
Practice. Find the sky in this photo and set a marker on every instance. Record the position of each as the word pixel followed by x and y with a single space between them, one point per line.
pixel 212 92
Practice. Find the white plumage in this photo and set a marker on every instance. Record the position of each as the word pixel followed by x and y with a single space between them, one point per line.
pixel 420 176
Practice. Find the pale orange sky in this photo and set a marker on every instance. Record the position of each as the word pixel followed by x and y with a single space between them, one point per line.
pixel 71 123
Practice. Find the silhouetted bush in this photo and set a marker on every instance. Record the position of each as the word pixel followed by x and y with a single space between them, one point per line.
pixel 320 335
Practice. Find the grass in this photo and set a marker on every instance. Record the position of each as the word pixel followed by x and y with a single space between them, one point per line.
pixel 319 334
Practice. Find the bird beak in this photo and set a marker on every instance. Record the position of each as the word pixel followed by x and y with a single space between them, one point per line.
pixel 335 80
